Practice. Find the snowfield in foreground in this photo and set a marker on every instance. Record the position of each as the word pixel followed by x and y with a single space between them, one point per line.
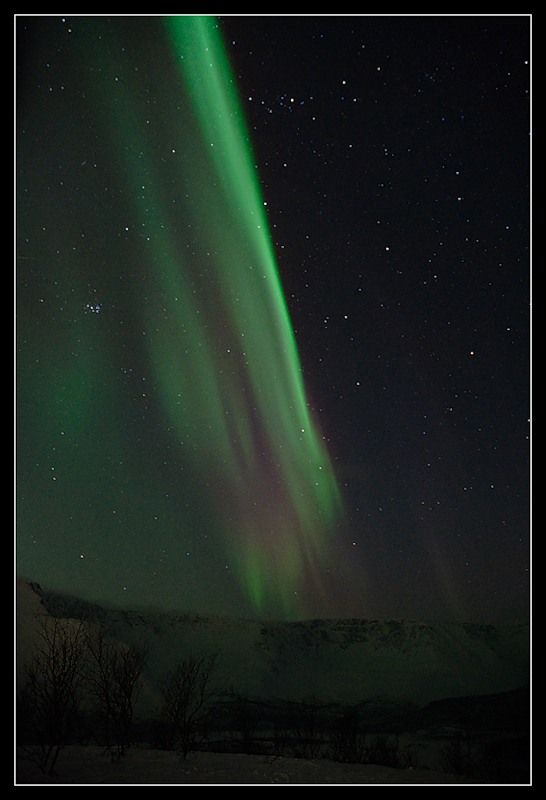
pixel 81 765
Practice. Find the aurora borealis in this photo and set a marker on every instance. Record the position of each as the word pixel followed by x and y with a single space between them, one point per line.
pixel 219 343
pixel 228 349
pixel 271 299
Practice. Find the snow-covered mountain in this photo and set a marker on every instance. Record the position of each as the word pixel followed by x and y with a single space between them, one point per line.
pixel 342 661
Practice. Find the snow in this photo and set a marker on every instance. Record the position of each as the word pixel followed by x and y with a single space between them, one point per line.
pixel 29 612
pixel 383 668
pixel 90 765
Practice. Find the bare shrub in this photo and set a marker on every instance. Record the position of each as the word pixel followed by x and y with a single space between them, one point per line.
pixel 186 695
pixel 49 699
pixel 113 677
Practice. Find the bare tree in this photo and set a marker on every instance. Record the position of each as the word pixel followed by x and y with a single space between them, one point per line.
pixel 49 697
pixel 186 694
pixel 113 677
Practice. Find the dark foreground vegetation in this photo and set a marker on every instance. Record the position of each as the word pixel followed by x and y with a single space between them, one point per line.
pixel 82 686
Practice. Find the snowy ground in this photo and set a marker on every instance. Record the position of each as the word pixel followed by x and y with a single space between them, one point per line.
pixel 89 765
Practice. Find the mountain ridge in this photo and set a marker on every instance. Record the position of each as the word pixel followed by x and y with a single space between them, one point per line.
pixel 54 596
pixel 343 660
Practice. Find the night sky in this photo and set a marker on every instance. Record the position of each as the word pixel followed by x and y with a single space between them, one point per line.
pixel 376 174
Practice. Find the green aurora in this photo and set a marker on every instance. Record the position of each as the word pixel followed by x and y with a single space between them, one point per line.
pixel 219 348
pixel 251 418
